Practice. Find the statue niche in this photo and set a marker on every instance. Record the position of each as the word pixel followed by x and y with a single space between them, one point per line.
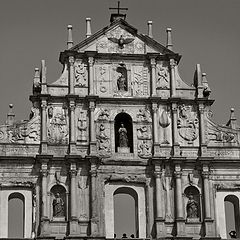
pixel 193 204
pixel 123 133
pixel 58 194
pixel 122 83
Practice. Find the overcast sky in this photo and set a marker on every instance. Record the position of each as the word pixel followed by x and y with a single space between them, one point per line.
pixel 205 32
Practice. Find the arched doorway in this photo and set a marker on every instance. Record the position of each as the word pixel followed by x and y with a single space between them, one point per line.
pixel 16 218
pixel 126 212
pixel 123 120
pixel 231 204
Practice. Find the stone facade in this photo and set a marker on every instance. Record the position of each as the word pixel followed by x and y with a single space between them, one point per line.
pixel 120 118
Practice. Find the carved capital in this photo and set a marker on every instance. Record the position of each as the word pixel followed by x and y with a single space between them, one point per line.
pixel 172 63
pixel 154 107
pixel 72 106
pixel 90 61
pixel 73 173
pixel 201 108
pixel 177 174
pixel 71 60
pixel 44 105
pixel 92 106
pixel 153 62
pixel 174 108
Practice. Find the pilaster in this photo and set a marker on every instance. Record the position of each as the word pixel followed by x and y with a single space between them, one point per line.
pixel 72 107
pixel 173 77
pixel 93 147
pixel 71 75
pixel 159 218
pixel 44 126
pixel 202 130
pixel 153 73
pixel 176 146
pixel 180 221
pixel 156 149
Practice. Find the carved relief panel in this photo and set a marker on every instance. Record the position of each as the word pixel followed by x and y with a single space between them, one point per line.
pixel 119 40
pixel 102 80
pixel 81 116
pixel 81 73
pixel 164 121
pixel 188 124
pixel 58 124
pixel 163 79
pixel 144 133
pixel 103 132
pixel 140 80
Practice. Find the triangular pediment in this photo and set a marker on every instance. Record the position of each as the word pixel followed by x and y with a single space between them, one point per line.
pixel 120 37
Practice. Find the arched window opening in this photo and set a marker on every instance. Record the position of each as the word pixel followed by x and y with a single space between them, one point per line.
pixel 123 133
pixel 58 200
pixel 126 213
pixel 193 206
pixel 231 204
pixel 16 215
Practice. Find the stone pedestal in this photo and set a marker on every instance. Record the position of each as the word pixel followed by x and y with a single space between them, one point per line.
pixel 123 150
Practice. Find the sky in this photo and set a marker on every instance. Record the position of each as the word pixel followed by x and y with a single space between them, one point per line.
pixel 205 32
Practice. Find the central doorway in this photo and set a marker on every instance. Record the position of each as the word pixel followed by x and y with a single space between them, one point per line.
pixel 125 212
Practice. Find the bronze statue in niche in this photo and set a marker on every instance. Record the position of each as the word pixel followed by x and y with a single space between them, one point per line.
pixel 58 206
pixel 123 139
pixel 122 83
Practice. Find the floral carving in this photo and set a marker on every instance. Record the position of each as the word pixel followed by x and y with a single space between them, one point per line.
pixel 80 74
pixel 140 82
pixel 143 115
pixel 188 123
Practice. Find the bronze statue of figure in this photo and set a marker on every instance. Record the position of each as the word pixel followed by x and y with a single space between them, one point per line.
pixel 123 139
pixel 192 207
pixel 122 83
pixel 58 206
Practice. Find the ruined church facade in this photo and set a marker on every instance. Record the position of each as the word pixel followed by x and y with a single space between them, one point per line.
pixel 120 120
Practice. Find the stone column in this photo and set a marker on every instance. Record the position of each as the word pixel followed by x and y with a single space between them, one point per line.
pixel 179 201
pixel 92 128
pixel 90 73
pixel 202 130
pixel 71 75
pixel 44 215
pixel 156 149
pixel 159 200
pixel 176 148
pixel 153 71
pixel 173 77
pixel 44 126
pixel 208 221
pixel 72 127
pixel 94 200
pixel 74 219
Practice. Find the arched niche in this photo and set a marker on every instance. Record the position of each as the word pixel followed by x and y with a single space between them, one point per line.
pixel 16 215
pixel 58 203
pixel 122 81
pixel 126 207
pixel 232 218
pixel 193 205
pixel 123 138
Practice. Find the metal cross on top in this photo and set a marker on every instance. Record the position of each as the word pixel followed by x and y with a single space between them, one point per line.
pixel 118 8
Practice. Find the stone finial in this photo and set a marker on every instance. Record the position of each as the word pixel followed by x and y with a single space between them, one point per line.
pixel 88 27
pixel 232 123
pixel 70 38
pixel 10 115
pixel 150 34
pixel 169 39
pixel 36 81
pixel 44 77
pixel 206 88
